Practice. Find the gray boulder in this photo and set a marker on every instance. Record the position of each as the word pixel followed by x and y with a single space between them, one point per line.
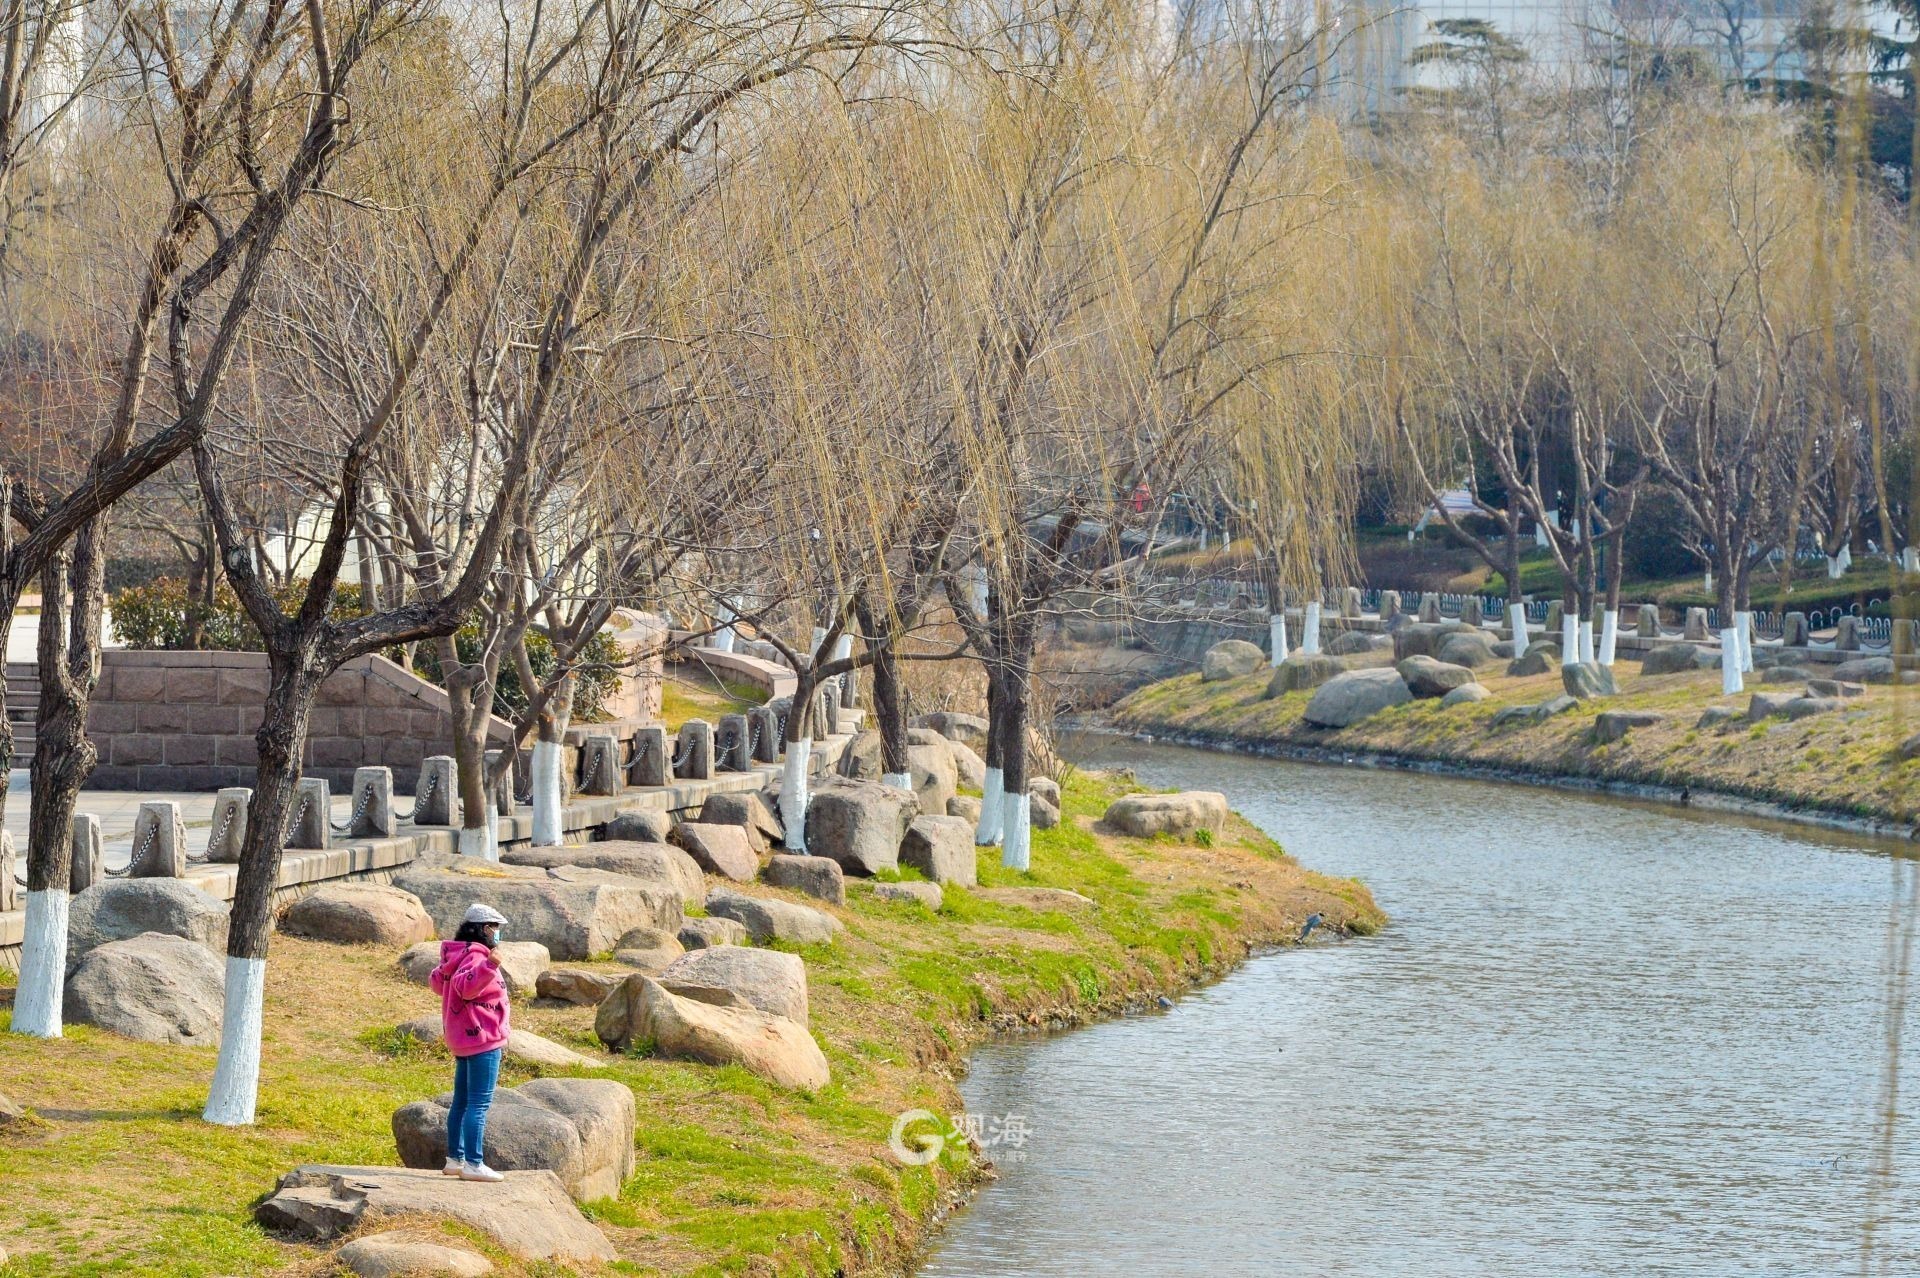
pixel 647 948
pixel 577 985
pixel 1865 670
pixel 860 824
pixel 398 1254
pixel 1834 688
pixel 718 849
pixel 816 876
pixel 1585 680
pixel 966 807
pixel 1614 725
pixel 927 894
pixel 1415 639
pixel 1465 694
pixel 734 976
pixel 528 1213
pixel 1045 788
pixel 773 1047
pixel 1676 658
pixel 575 913
pixel 1717 716
pixel 1042 812
pixel 1303 671
pixel 1785 674
pixel 768 919
pixel 968 728
pixel 1554 706
pixel 152 987
pixel 930 764
pixel 1231 659
pixel 1766 705
pixel 636 825
pixel 118 909
pixel 358 914
pixel 1182 815
pixel 1538 659
pixel 1431 677
pixel 703 934
pixel 1354 643
pixel 580 1129
pixel 1355 695
pixel 941 848
pixel 1471 649
pixel 968 766
pixel 661 862
pixel 1807 707
pixel 749 810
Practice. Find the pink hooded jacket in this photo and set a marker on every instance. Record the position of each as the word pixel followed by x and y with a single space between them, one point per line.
pixel 473 998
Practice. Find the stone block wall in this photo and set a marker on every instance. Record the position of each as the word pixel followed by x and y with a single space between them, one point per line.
pixel 186 720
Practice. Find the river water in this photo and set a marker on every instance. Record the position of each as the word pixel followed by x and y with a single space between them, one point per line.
pixel 1599 1038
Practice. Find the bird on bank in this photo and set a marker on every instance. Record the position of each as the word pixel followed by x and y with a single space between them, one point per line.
pixel 1306 929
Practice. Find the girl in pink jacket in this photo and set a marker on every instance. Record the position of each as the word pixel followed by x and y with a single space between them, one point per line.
pixel 474 1020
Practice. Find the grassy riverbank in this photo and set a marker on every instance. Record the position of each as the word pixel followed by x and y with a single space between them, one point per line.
pixel 1845 763
pixel 115 1174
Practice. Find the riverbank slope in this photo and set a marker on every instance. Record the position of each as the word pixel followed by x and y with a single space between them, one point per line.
pixel 113 1173
pixel 1846 764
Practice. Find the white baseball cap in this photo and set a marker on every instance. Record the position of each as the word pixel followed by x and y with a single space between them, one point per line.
pixel 478 913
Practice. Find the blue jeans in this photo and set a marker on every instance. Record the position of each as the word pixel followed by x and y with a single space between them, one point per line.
pixel 473 1081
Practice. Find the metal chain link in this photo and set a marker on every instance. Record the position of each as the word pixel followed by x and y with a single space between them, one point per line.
pixel 219 836
pixel 359 808
pixel 298 813
pixel 139 853
pixel 433 779
pixel 684 751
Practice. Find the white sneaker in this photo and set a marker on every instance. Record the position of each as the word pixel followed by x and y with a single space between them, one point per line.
pixel 452 1168
pixel 480 1171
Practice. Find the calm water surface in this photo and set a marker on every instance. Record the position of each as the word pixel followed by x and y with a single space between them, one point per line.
pixel 1598 1038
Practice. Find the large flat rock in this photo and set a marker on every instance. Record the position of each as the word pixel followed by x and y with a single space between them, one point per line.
pixel 528 1213
pixel 580 1129
pixel 121 908
pixel 152 987
pixel 657 861
pixel 575 912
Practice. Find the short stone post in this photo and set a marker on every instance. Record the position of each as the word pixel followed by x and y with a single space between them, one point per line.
pixel 600 765
pixel 88 866
pixel 1350 604
pixel 1696 630
pixel 693 758
pixel 1552 627
pixel 1430 607
pixel 826 714
pixel 651 765
pixel 1470 610
pixel 435 793
pixel 763 727
pixel 312 828
pixel 1389 604
pixel 373 816
pixel 1906 636
pixel 850 690
pixel 1846 636
pixel 229 825
pixel 9 886
pixel 1649 627
pixel 159 842
pixel 1793 631
pixel 732 744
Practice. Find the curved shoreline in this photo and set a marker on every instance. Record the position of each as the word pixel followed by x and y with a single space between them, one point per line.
pixel 1695 798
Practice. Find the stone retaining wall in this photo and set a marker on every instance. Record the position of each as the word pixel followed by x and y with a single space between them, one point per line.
pixel 185 721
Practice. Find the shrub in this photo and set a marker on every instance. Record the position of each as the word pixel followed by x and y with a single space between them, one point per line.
pixel 597 672
pixel 161 614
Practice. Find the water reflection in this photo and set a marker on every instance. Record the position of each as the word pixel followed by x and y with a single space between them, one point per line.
pixel 1600 1038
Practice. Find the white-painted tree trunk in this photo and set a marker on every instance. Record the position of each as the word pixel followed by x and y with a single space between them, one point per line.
pixel 1910 559
pixel 1730 681
pixel 992 792
pixel 43 965
pixel 794 776
pixel 843 647
pixel 898 780
pixel 547 799
pixel 236 1076
pixel 1586 642
pixel 1310 629
pixel 483 841
pixel 1569 639
pixel 1540 536
pixel 1743 625
pixel 1277 636
pixel 1835 569
pixel 1018 852
pixel 1609 635
pixel 1517 619
pixel 1709 585
pixel 723 638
